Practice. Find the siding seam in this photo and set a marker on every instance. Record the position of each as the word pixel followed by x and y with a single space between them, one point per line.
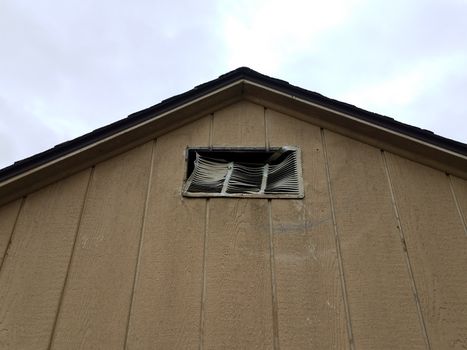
pixel 459 209
pixel 275 306
pixel 266 130
pixel 337 243
pixel 205 247
pixel 406 253
pixel 211 130
pixel 140 244
pixel 203 290
pixel 272 265
pixel 23 199
pixel 70 261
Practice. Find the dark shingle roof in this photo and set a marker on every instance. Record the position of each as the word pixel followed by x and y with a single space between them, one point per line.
pixel 203 89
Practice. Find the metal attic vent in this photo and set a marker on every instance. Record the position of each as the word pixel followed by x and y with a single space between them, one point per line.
pixel 241 172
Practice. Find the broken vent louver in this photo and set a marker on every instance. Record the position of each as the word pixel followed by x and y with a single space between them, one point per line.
pixel 244 173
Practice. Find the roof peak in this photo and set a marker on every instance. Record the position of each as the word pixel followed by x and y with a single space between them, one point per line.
pixel 254 80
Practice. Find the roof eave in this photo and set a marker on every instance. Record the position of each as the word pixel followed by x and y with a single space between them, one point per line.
pixel 73 156
pixel 390 138
pixel 383 132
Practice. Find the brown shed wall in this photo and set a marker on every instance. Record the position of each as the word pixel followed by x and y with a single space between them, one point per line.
pixel 373 257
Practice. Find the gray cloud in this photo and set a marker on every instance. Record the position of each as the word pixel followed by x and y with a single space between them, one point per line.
pixel 396 41
pixel 69 67
pixel 19 130
pixel 78 65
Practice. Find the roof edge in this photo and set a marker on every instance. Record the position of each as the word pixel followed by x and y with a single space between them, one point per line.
pixel 236 77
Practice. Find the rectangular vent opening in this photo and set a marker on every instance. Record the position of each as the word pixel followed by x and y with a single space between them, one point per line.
pixel 244 172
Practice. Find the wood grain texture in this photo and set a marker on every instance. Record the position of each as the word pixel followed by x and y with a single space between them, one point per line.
pixel 34 271
pixel 310 302
pixel 367 133
pixel 459 187
pixel 238 304
pixel 240 124
pixel 382 308
pixel 437 247
pixel 119 142
pixel 97 295
pixel 167 302
pixel 238 300
pixel 8 215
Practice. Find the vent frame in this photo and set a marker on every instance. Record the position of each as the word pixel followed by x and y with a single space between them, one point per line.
pixel 238 154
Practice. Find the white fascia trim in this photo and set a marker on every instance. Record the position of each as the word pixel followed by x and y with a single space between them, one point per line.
pixel 357 119
pixel 71 154
pixel 238 82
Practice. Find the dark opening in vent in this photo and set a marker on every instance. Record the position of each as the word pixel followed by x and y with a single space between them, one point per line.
pixel 240 172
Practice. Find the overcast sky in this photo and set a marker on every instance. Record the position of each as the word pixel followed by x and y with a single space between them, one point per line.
pixel 68 67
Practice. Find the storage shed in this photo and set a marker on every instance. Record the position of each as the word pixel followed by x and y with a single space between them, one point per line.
pixel 100 248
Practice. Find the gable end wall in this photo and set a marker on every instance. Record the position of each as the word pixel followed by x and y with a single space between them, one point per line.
pixel 111 257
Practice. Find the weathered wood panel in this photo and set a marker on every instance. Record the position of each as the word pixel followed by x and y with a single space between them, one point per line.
pixel 8 214
pixel 437 246
pixel 382 307
pixel 459 187
pixel 238 301
pixel 97 295
pixel 152 269
pixel 240 125
pixel 167 302
pixel 34 271
pixel 310 301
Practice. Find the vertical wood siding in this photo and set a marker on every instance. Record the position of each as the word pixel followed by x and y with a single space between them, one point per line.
pixel 97 295
pixel 437 246
pixel 238 299
pixel 114 257
pixel 381 304
pixel 459 192
pixel 167 298
pixel 35 267
pixel 8 216
pixel 309 291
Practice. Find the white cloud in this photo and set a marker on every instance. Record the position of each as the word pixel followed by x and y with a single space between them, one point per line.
pixel 264 34
pixel 405 87
pixel 426 94
pixel 69 67
pixel 74 66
